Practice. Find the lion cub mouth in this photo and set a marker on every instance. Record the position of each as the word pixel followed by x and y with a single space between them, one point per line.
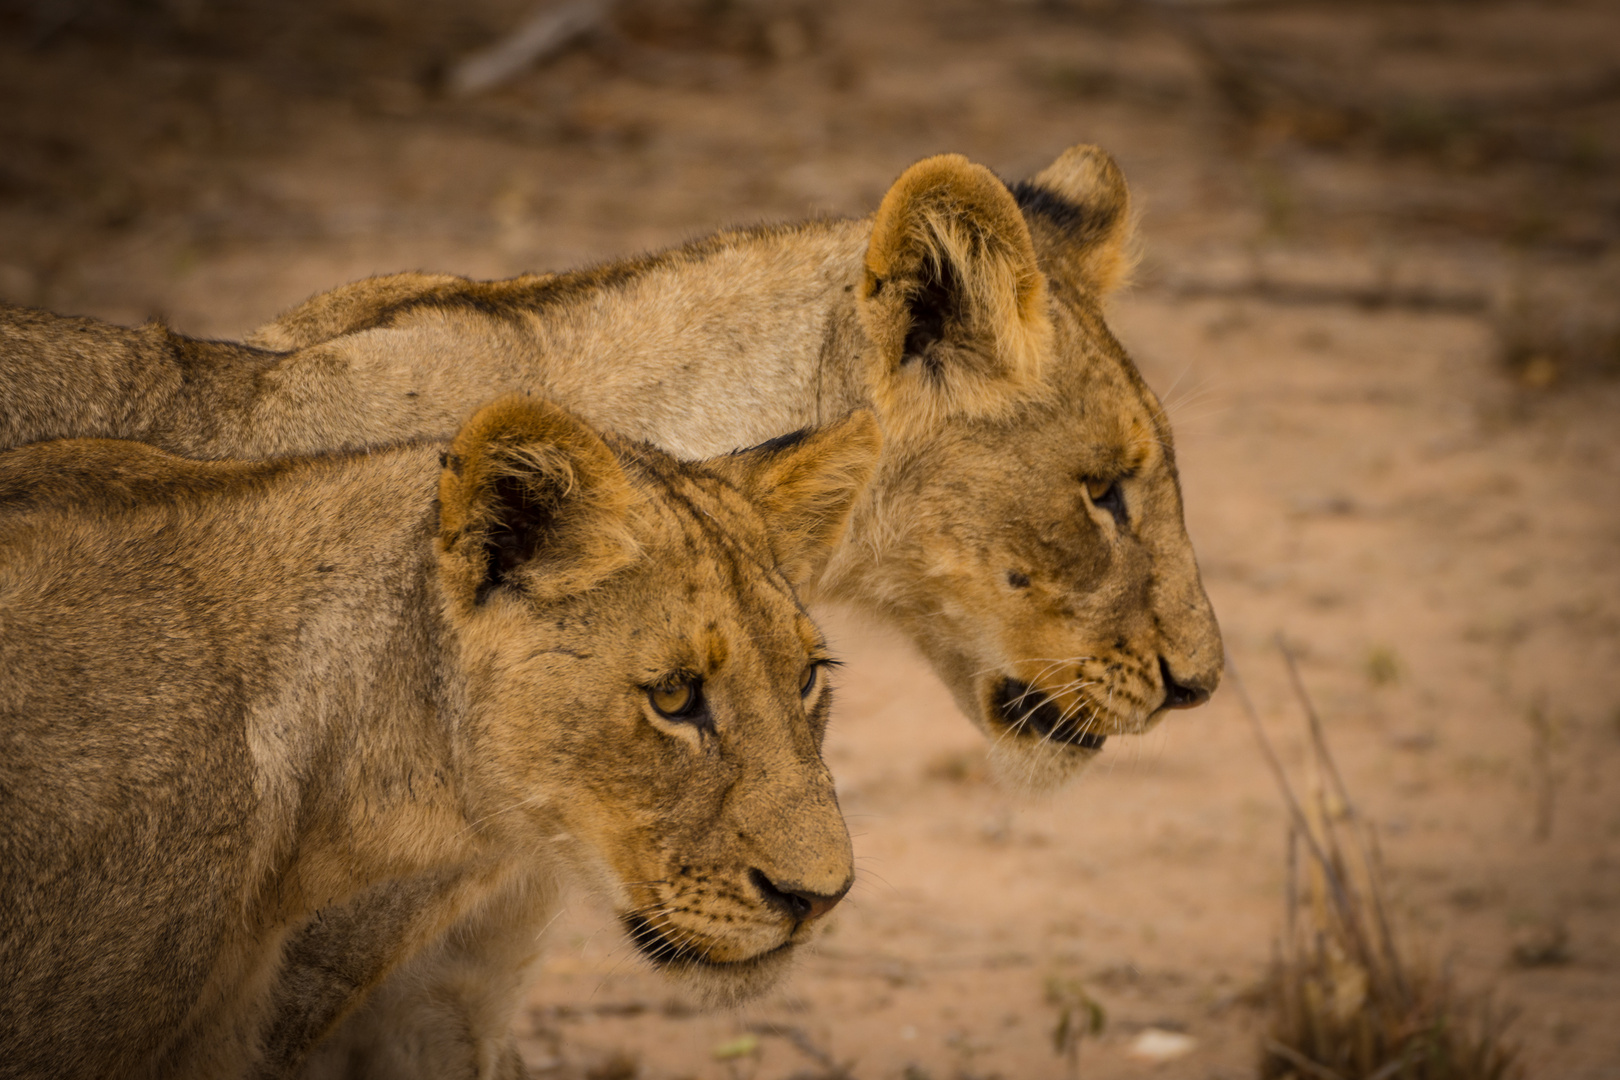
pixel 1023 708
pixel 663 952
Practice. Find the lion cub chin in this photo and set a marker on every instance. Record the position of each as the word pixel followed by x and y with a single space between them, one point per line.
pixel 296 755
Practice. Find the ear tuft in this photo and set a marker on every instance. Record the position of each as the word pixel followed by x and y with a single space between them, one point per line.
pixel 1079 210
pixel 805 484
pixel 520 513
pixel 530 500
pixel 952 298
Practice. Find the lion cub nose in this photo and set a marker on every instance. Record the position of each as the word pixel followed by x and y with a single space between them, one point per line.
pixel 797 903
pixel 1177 695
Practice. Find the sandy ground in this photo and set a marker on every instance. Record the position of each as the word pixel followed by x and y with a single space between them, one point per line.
pixel 1437 537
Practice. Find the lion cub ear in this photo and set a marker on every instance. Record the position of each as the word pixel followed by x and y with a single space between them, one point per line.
pixel 805 484
pixel 531 500
pixel 951 297
pixel 1079 211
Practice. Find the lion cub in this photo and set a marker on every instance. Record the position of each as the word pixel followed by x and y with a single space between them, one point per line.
pixel 295 755
pixel 1024 528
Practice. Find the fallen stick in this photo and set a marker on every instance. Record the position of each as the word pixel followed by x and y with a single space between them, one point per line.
pixel 1415 298
pixel 547 31
pixel 806 1046
pixel 1244 73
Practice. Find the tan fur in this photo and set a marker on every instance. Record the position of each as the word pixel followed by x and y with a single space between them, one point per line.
pixel 967 313
pixel 296 755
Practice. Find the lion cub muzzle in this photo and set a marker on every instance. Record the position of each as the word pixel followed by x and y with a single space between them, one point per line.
pixel 1025 710
pixel 765 920
pixel 738 914
pixel 1070 716
pixel 669 945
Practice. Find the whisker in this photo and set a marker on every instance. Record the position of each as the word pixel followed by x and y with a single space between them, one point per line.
pixel 471 825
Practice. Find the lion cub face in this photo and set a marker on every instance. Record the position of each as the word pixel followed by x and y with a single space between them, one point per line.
pixel 647 693
pixel 1026 520
pixel 1087 621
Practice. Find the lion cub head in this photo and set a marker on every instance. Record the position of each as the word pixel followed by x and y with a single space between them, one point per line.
pixel 1025 525
pixel 645 609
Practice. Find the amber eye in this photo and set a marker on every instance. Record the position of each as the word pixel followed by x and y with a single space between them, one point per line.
pixel 677 701
pixel 1106 495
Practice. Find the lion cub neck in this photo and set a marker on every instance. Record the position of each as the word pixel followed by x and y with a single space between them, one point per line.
pixel 263 569
pixel 722 343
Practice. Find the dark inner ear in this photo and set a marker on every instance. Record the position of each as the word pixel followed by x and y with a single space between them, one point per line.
pixel 520 526
pixel 932 307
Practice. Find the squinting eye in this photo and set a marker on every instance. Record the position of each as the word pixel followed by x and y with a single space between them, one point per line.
pixel 679 701
pixel 809 682
pixel 1106 495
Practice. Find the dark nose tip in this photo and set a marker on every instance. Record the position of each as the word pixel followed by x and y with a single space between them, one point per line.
pixel 798 904
pixel 1178 696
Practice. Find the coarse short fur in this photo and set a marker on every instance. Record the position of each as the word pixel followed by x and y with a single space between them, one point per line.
pixel 295 755
pixel 1025 526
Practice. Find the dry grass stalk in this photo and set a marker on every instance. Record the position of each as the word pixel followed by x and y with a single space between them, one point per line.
pixel 1345 1003
pixel 1541 767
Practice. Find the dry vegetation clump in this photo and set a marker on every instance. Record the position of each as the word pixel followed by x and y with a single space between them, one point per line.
pixel 1345 1002
pixel 1566 334
pixel 1079 1016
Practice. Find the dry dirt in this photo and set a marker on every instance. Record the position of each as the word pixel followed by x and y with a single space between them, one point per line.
pixel 1328 247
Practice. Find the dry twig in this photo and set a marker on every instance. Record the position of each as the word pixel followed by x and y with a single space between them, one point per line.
pixel 830 1067
pixel 547 31
pixel 1249 76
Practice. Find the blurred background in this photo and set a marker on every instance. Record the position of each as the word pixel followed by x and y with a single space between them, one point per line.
pixel 1379 289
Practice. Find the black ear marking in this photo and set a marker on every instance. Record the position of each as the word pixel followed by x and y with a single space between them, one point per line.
pixel 776 445
pixel 1082 223
pixel 520 526
pixel 931 308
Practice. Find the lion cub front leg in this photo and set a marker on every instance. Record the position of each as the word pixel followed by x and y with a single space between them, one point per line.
pixel 447 1012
